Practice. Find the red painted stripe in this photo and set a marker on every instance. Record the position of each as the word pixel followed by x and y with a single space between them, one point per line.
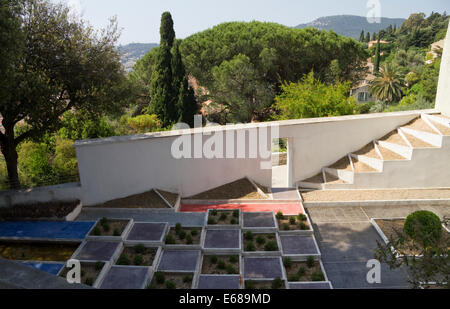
pixel 287 209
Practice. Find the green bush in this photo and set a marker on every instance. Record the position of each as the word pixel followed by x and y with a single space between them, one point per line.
pixel 302 218
pixel 194 233
pixel 423 226
pixel 189 240
pixel 287 262
pixel 236 213
pixel 230 269
pixel 212 221
pixel 182 235
pixel 301 272
pixel 250 246
pixel 303 226
pixel 310 262
pixel 214 212
pixel 98 266
pixel 318 277
pixel 223 217
pixel 96 231
pixel 277 284
pixel 214 259
pixel 170 240
pixel 280 215
pixel 249 235
pixel 138 260
pixel 178 228
pixel 286 227
pixel 260 240
pixel 233 221
pixel 187 279
pixel 221 264
pixel 292 220
pixel 294 278
pixel 170 285
pixel 116 233
pixel 234 259
pixel 160 277
pixel 123 260
pixel 103 221
pixel 139 249
pixel 106 228
pixel 89 281
pixel 271 246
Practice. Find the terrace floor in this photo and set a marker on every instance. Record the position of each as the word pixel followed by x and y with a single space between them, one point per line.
pixel 347 241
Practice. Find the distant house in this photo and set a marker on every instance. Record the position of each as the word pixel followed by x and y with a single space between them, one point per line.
pixel 373 43
pixel 362 92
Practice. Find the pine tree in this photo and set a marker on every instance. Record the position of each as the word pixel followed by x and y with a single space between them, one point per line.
pixel 377 57
pixel 362 36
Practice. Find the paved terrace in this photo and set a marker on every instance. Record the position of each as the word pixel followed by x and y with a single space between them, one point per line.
pixel 347 241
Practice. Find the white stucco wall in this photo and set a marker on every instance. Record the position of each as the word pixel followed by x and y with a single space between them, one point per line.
pixel 443 93
pixel 123 166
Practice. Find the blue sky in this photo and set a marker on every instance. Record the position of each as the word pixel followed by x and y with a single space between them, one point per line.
pixel 139 19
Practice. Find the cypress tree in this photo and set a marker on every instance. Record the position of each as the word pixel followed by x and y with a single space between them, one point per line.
pixel 368 37
pixel 163 97
pixel 362 36
pixel 377 57
pixel 374 36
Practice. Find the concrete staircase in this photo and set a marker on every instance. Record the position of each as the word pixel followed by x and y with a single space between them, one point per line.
pixel 413 156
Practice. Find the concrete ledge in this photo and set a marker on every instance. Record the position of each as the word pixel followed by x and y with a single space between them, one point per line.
pixel 443 202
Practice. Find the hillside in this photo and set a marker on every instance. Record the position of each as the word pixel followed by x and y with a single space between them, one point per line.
pixel 133 52
pixel 350 25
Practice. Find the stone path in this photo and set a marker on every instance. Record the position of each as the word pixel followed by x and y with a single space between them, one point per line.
pixel 347 242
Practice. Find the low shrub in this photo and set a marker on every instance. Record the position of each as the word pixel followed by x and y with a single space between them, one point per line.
pixel 249 235
pixel 280 215
pixel 96 231
pixel 250 246
pixel 294 278
pixel 271 246
pixel 182 235
pixel 301 272
pixel 106 228
pixel 187 279
pixel 230 269
pixel 194 233
pixel 303 226
pixel 116 233
pixel 103 221
pixel 139 249
pixel 221 264
pixel 318 277
pixel 98 266
pixel 212 221
pixel 260 240
pixel 170 285
pixel 287 262
pixel 189 240
pixel 123 260
pixel 214 212
pixel 178 227
pixel 302 218
pixel 286 227
pixel 160 277
pixel 214 259
pixel 138 260
pixel 233 221
pixel 234 259
pixel 223 217
pixel 310 262
pixel 277 284
pixel 89 281
pixel 170 240
pixel 423 226
pixel 292 220
pixel 236 214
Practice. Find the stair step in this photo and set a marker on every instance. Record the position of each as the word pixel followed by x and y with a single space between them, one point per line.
pixel 368 151
pixel 443 129
pixel 389 155
pixel 420 125
pixel 418 143
pixel 332 179
pixel 361 167
pixel 394 138
pixel 342 164
pixel 318 179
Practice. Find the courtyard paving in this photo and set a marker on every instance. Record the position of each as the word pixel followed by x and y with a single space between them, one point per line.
pixel 347 241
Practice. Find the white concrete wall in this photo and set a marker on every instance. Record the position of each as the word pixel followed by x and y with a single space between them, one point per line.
pixel 123 166
pixel 62 193
pixel 443 93
pixel 120 167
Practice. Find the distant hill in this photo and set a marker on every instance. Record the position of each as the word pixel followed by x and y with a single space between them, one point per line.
pixel 350 25
pixel 133 52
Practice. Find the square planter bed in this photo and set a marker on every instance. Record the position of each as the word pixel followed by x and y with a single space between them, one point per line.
pixel 147 234
pixel 126 278
pixel 92 273
pixel 294 225
pixel 259 221
pixel 260 244
pixel 221 265
pixel 179 261
pixel 37 251
pixel 387 228
pixel 214 282
pixel 223 240
pixel 179 237
pixel 309 271
pixel 276 284
pixel 298 247
pixel 217 218
pixel 94 251
pixel 171 281
pixel 263 268
pixel 110 229
pixel 139 255
pixel 310 286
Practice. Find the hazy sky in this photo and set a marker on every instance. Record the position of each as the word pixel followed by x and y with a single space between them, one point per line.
pixel 139 19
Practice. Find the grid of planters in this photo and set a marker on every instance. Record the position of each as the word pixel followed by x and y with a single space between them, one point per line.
pixel 233 250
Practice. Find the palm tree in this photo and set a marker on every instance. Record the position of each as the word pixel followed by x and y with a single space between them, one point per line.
pixel 387 87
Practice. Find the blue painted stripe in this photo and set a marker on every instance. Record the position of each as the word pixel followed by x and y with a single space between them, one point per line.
pixel 45 230
pixel 52 268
